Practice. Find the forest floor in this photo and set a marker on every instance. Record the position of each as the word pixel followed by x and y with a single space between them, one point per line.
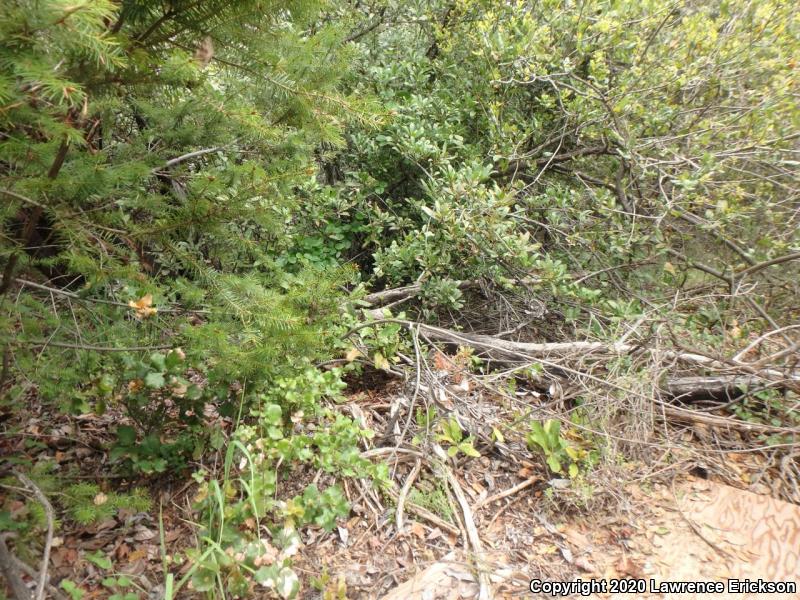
pixel 668 525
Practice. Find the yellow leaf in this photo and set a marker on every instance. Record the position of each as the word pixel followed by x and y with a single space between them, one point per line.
pixel 669 268
pixel 143 306
pixel 353 354
pixel 380 361
pixel 497 435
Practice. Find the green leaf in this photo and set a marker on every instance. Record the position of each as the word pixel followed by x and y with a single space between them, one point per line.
pixel 154 380
pixel 553 463
pixel 158 360
pixel 126 435
pixel 204 579
pixel 497 435
pixel 172 360
pixel 288 583
pixel 217 439
pixel 72 589
pixel 273 413
pixel 468 449
pixel 99 559
pixel 267 576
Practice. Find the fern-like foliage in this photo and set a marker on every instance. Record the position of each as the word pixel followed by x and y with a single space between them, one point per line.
pixel 85 503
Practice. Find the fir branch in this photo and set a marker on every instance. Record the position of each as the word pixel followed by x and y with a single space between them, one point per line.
pixel 45 343
pixel 79 298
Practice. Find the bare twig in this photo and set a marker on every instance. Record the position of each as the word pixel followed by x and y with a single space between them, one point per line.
pixel 429 516
pixel 509 492
pixel 23 566
pixel 474 539
pixel 10 570
pixel 401 499
pixel 74 296
pixel 190 155
pixel 48 543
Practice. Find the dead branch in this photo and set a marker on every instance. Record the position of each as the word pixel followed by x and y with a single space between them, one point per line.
pixel 401 499
pixel 428 516
pixel 48 509
pixel 505 350
pixel 724 386
pixel 403 293
pixel 53 590
pixel 9 569
pixel 509 492
pixel 691 416
pixel 474 539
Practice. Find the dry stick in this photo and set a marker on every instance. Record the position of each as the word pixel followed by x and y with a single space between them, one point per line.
pixel 48 509
pixel 711 386
pixel 509 492
pixel 474 540
pixel 401 499
pixel 174 161
pixel 27 237
pixel 390 450
pixel 732 279
pixel 418 357
pixel 9 568
pixel 693 416
pixel 428 516
pixel 761 338
pixel 534 352
pixel 23 566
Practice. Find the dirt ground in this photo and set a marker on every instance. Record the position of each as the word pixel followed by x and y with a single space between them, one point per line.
pixel 696 530
pixel 680 529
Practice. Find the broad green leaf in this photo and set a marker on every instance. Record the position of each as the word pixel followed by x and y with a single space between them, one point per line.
pixel 100 559
pixel 154 380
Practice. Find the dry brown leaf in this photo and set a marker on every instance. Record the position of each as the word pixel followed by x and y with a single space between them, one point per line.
pixel 143 534
pixel 626 566
pixel 418 530
pixel 137 555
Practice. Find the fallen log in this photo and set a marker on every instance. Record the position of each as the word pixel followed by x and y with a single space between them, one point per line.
pixel 722 387
pixel 500 349
pixel 736 374
pixel 676 413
